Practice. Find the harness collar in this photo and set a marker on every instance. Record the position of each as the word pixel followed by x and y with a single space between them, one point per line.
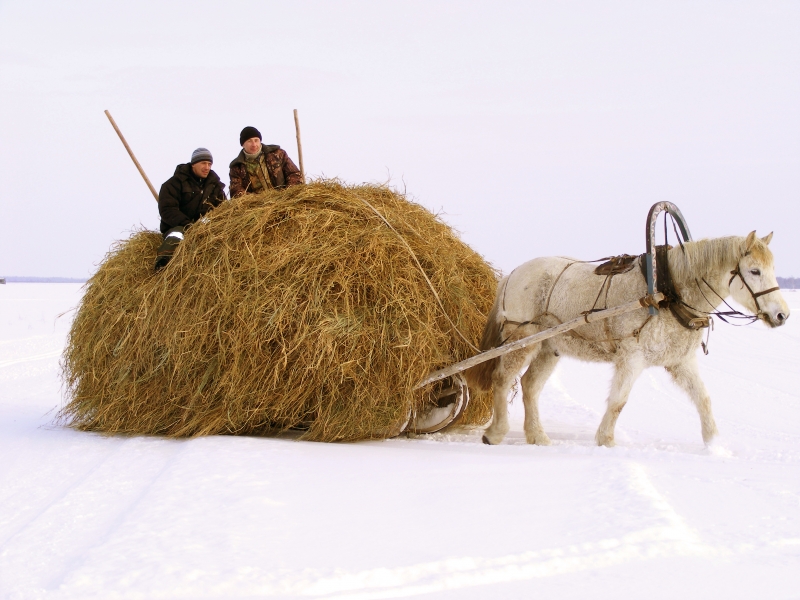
pixel 685 315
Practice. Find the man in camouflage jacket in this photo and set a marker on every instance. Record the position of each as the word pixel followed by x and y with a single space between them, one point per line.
pixel 261 167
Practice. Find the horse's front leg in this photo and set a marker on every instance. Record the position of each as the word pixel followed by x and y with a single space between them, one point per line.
pixel 533 381
pixel 687 376
pixel 625 375
pixel 502 380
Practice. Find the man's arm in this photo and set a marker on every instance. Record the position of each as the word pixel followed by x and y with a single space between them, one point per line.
pixel 169 205
pixel 239 180
pixel 290 171
pixel 218 195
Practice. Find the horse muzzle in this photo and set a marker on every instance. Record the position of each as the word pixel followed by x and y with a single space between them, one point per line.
pixel 776 318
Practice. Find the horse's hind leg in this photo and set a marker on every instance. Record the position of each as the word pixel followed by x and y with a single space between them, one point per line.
pixel 687 376
pixel 533 381
pixel 502 380
pixel 625 375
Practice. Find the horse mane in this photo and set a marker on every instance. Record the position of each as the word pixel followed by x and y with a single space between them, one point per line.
pixel 698 258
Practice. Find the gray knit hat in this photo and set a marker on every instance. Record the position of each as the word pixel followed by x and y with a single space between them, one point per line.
pixel 201 154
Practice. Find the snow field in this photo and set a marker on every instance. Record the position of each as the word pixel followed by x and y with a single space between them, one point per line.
pixel 442 516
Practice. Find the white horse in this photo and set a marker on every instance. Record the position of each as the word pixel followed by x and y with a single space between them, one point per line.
pixel 546 291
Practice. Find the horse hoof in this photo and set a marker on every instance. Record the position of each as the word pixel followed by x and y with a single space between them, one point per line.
pixel 539 440
pixel 486 441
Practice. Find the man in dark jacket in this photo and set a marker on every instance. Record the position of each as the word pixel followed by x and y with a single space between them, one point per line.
pixel 260 167
pixel 185 197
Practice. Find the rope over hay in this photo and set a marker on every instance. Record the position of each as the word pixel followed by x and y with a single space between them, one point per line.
pixel 297 308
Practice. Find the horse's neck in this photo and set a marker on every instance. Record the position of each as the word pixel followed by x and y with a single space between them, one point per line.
pixel 705 262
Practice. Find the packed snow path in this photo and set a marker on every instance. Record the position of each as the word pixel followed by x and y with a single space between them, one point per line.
pixel 443 516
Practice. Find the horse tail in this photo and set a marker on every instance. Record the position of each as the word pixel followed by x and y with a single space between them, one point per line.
pixel 480 376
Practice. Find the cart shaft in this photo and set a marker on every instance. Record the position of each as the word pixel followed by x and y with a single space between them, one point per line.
pixel 646 301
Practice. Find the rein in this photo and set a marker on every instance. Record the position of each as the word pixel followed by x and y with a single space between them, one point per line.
pixel 732 313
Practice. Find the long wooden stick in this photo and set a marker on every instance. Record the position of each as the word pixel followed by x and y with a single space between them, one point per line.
pixel 128 148
pixel 542 335
pixel 299 146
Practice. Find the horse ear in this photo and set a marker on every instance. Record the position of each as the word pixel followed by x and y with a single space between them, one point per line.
pixel 767 238
pixel 751 239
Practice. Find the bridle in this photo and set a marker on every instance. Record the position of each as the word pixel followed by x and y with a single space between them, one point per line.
pixel 737 272
pixel 653 277
pixel 733 313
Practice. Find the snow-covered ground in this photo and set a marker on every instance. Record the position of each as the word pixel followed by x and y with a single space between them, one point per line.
pixel 659 516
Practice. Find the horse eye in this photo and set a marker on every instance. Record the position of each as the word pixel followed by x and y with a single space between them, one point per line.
pixel 755 272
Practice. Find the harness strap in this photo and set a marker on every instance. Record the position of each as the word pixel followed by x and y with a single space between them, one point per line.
pixel 606 285
pixel 553 287
pixel 769 291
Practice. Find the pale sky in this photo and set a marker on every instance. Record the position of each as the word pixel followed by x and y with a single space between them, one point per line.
pixel 537 128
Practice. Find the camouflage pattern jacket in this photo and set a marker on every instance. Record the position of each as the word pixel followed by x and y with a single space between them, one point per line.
pixel 282 171
pixel 184 197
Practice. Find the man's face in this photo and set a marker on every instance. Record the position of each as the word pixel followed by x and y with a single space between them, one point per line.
pixel 252 145
pixel 202 168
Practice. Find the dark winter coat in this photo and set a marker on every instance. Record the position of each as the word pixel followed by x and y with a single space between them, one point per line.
pixel 282 171
pixel 185 197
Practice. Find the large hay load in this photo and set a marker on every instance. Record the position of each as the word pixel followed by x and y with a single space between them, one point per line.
pixel 303 308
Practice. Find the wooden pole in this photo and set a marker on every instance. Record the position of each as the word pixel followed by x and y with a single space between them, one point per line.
pixel 542 335
pixel 299 146
pixel 135 162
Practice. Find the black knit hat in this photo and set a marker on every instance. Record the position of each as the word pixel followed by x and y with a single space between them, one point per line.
pixel 247 133
pixel 200 155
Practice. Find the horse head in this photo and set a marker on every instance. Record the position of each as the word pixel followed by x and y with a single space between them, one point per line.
pixel 753 283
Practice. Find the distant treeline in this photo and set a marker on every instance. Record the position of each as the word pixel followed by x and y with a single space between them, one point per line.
pixel 789 283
